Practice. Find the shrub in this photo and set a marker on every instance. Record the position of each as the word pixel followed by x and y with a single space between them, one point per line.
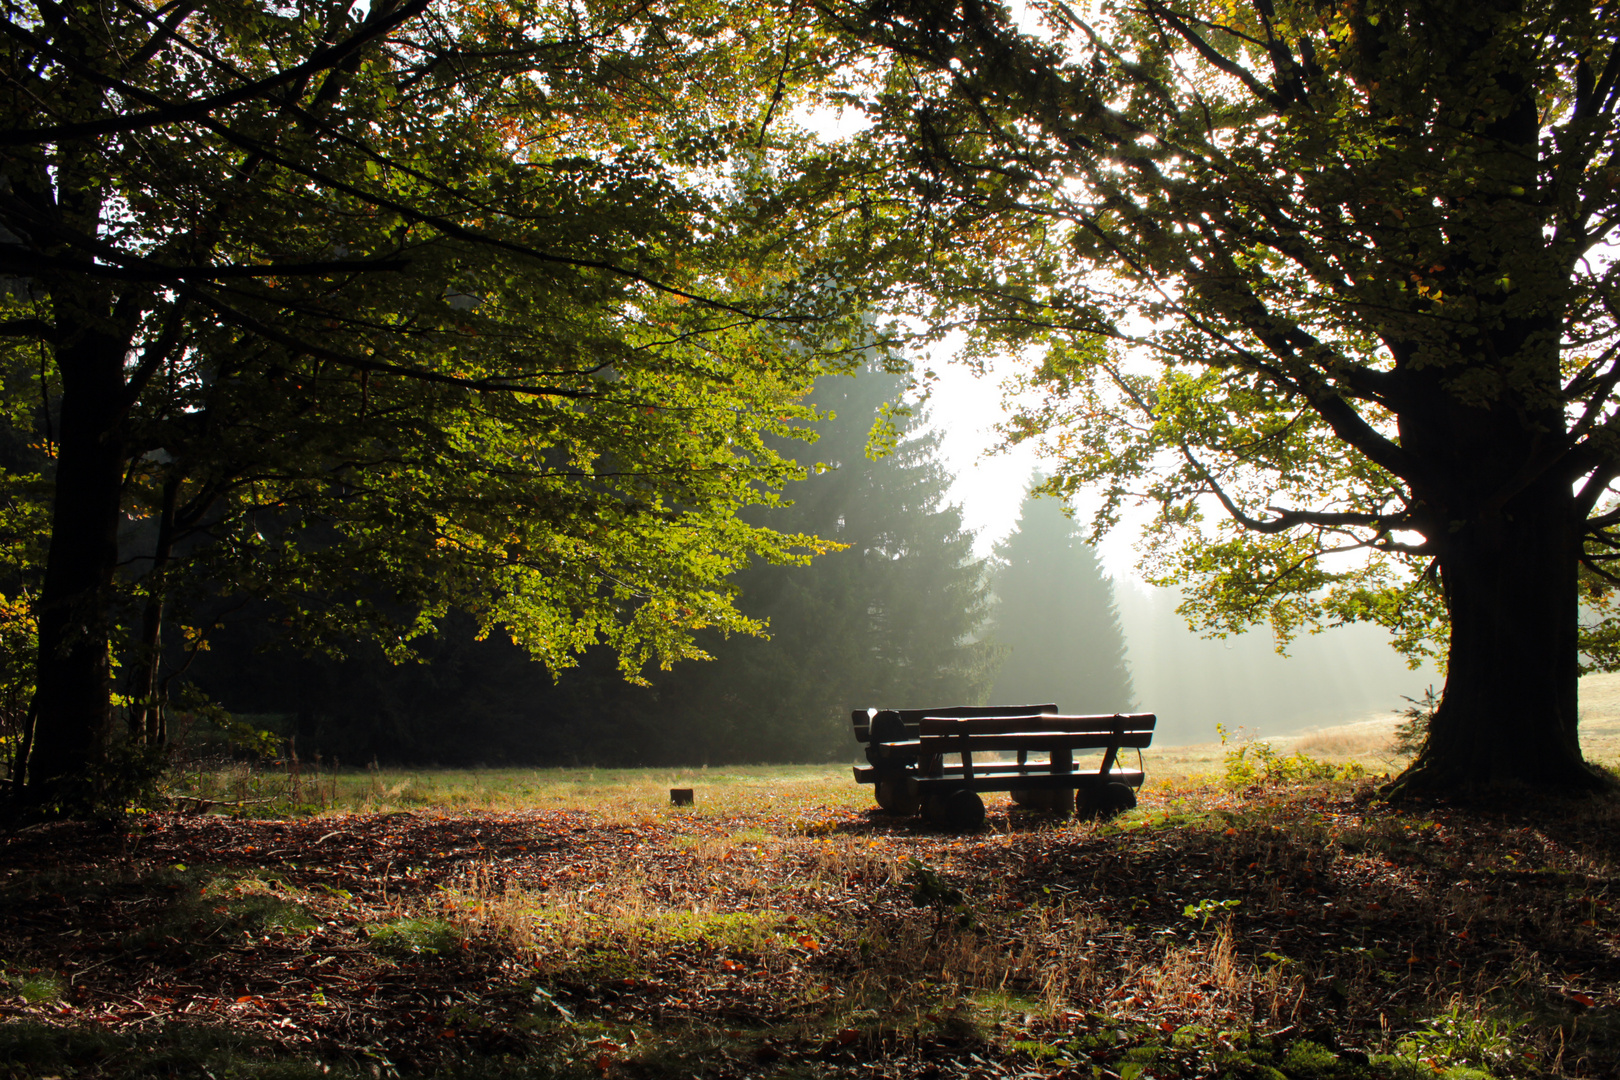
pixel 1412 734
pixel 1258 763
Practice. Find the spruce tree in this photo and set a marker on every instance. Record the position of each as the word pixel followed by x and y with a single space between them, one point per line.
pixel 892 620
pixel 1055 615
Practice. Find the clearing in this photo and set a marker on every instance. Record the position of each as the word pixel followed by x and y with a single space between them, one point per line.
pixel 570 923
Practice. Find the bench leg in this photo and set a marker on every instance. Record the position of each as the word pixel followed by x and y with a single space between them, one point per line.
pixel 964 811
pixel 1105 802
pixel 897 795
pixel 960 810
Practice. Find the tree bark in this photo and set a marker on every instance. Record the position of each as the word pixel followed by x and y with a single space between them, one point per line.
pixel 1509 713
pixel 73 697
pixel 148 721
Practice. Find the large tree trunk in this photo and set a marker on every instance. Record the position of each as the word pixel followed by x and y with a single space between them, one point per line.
pixel 1509 712
pixel 73 700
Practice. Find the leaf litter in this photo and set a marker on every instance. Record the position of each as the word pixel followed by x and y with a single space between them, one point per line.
pixel 1308 931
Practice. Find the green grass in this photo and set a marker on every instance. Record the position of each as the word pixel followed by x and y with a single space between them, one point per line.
pixel 263 791
pixel 410 938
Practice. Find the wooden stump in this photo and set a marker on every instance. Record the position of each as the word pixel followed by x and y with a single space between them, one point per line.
pixel 895 795
pixel 964 811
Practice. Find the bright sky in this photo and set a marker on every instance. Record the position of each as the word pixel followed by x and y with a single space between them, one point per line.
pixel 990 487
pixel 964 409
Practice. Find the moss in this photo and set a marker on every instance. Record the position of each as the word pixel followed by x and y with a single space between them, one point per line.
pixel 413 938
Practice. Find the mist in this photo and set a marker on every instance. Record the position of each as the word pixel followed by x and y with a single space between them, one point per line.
pixel 1339 676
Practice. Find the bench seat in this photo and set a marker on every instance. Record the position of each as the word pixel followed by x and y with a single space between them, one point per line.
pixel 1035 775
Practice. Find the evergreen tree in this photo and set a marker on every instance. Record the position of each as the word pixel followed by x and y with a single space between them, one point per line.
pixel 892 620
pixel 1055 613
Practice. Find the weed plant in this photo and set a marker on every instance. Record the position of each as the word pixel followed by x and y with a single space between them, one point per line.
pixel 1255 763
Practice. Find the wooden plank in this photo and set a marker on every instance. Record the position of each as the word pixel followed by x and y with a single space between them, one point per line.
pixel 1006 770
pixel 943 725
pixel 861 719
pixel 1030 740
pixel 912 716
pixel 998 781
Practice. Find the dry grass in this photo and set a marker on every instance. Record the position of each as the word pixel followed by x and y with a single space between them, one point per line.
pixel 1357 743
pixel 732 901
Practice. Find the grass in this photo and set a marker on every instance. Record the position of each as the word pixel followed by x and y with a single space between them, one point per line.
pixel 273 790
pixel 572 923
pixel 410 938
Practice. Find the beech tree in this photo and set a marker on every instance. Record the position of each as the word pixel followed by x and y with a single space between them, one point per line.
pixel 1329 284
pixel 383 310
pixel 895 616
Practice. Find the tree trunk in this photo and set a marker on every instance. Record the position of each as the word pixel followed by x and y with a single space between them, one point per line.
pixel 148 722
pixel 1508 716
pixel 73 698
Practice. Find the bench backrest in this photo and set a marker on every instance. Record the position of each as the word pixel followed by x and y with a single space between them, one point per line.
pixel 1002 724
pixel 862 718
pixel 1039 731
pixel 1058 735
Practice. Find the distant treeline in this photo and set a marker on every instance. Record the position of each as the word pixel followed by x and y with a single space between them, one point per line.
pixel 896 617
pixel 905 615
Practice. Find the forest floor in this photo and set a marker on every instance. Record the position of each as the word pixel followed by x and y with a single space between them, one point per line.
pixel 782 927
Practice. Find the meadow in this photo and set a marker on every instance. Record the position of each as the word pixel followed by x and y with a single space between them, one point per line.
pixel 1261 914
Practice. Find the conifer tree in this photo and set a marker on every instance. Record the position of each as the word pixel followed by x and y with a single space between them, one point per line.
pixel 1055 615
pixel 891 620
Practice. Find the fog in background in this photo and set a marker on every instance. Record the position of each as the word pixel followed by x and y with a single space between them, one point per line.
pixel 1336 677
pixel 1339 676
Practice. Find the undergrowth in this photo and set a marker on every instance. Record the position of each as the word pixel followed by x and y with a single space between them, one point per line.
pixel 1256 763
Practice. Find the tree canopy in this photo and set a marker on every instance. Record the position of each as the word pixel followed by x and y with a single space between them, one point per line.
pixel 382 311
pixel 379 311
pixel 1327 284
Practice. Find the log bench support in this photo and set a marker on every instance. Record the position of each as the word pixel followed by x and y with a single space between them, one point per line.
pixel 909 749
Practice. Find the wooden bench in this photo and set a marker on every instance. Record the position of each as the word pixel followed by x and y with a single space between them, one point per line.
pixel 891 735
pixel 910 772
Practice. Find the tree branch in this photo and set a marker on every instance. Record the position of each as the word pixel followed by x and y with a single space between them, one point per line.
pixel 379 22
